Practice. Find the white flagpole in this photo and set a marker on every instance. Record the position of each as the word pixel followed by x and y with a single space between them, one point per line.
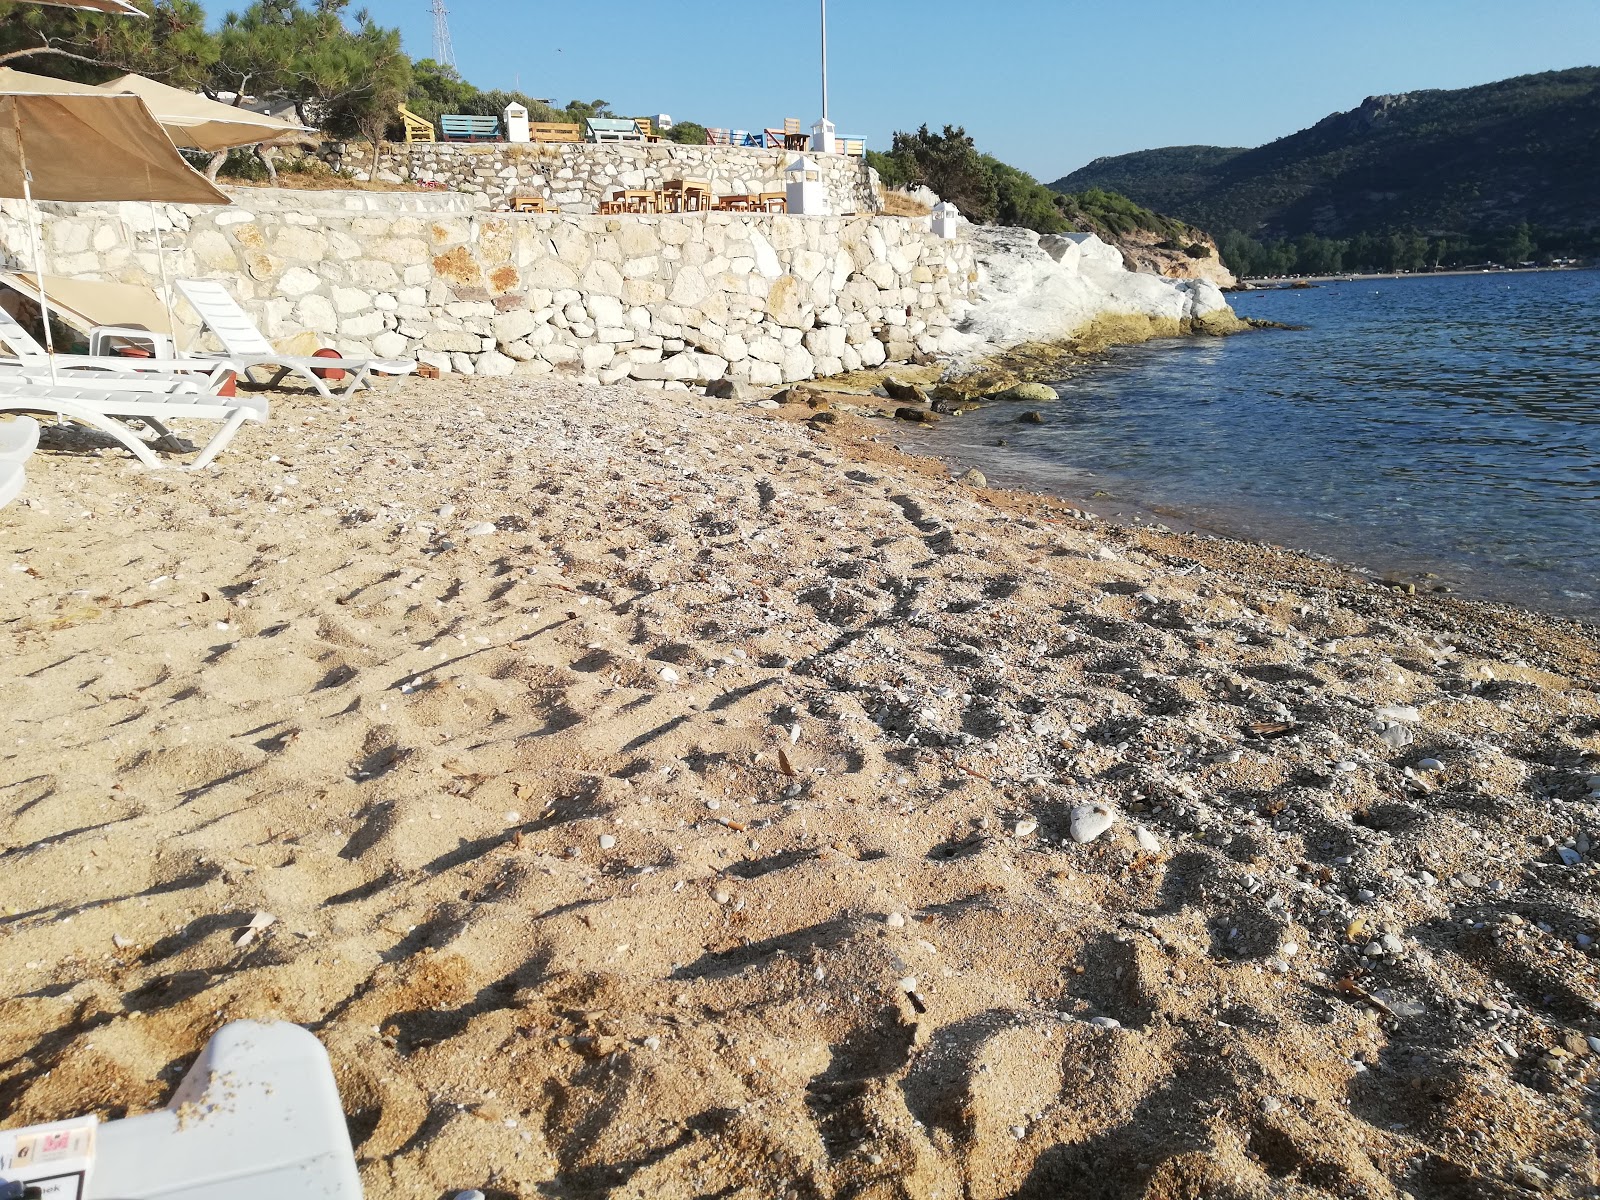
pixel 824 60
pixel 166 287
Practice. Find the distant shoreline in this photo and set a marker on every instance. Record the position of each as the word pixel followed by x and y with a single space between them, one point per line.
pixel 1287 283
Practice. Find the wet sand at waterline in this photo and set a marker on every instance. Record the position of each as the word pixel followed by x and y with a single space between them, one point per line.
pixel 654 797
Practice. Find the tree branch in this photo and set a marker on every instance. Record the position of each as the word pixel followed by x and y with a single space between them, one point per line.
pixel 96 62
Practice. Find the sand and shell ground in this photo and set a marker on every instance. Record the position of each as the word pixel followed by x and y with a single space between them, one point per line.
pixel 656 797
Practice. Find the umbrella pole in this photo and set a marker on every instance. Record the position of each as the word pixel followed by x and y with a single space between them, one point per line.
pixel 38 251
pixel 166 287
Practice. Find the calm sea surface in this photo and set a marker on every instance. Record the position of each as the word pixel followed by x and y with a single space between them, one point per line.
pixel 1448 425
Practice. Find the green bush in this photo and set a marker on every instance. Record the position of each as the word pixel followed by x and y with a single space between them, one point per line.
pixel 687 133
pixel 1198 250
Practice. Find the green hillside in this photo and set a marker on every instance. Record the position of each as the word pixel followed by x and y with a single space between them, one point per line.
pixel 1459 168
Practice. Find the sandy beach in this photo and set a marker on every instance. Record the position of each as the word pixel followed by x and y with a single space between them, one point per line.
pixel 654 796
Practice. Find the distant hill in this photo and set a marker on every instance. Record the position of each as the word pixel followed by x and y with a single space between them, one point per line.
pixel 1521 151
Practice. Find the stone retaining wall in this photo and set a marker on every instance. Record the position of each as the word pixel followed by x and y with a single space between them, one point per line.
pixel 672 299
pixel 578 176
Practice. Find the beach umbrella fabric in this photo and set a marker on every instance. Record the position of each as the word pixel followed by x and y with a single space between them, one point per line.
pixel 86 147
pixel 195 122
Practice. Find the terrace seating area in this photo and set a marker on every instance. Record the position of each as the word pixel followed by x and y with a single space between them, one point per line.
pixel 686 196
pixel 602 130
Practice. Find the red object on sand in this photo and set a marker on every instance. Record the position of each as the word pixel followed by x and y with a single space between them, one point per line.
pixel 333 373
pixel 134 352
pixel 230 385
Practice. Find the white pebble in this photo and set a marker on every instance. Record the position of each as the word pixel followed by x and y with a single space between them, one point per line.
pixel 607 841
pixel 1089 821
pixel 1148 842
pixel 481 529
pixel 668 675
pixel 895 921
pixel 1024 827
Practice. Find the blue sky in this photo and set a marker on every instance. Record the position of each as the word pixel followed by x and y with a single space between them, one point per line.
pixel 1044 85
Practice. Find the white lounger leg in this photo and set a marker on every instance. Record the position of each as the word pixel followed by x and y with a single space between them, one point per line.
pixel 223 436
pixel 109 425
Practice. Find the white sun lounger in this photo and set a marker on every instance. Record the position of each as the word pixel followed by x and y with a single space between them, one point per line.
pixel 257 1117
pixel 18 437
pixel 107 410
pixel 245 345
pixel 12 478
pixel 32 362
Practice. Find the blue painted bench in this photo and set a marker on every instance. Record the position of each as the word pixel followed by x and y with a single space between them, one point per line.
pixel 470 129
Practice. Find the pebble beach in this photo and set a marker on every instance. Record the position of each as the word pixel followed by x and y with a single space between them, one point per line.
pixel 648 795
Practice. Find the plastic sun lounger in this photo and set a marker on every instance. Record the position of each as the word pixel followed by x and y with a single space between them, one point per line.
pixel 33 364
pixel 108 411
pixel 18 439
pixel 245 346
pixel 257 1117
pixel 12 479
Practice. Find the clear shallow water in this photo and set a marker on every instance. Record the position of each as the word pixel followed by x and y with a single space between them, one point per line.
pixel 1430 424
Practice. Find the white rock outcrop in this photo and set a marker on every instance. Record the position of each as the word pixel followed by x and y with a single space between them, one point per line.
pixel 1034 289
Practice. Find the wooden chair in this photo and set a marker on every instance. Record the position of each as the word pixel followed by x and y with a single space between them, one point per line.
pixel 647 130
pixel 529 204
pixel 641 201
pixel 417 130
pixel 686 195
pixel 554 131
pixel 772 202
pixel 717 137
pixel 735 204
pixel 459 128
pixel 852 147
pixel 795 138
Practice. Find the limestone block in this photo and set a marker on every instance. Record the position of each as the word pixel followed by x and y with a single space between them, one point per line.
pixel 850 359
pixel 494 363
pixel 881 274
pixel 297 281
pixel 765 374
pixel 533 368
pixel 583 330
pixel 596 357
pixel 766 349
pixel 463 364
pixel 212 251
pixel 871 352
pixel 829 366
pixel 798 365
pixel 647 370
pixel 604 310
pixel 559 354
pixel 351 300
pixel 641 268
pixel 316 313
pixel 365 325
pixel 365 273
pixel 602 278
pixel 300 245
pixel 734 349
pixel 389 345
pixel 513 326
pixel 453 341
pixel 614 333
pixel 826 342
pixel 710 367
pixel 689 288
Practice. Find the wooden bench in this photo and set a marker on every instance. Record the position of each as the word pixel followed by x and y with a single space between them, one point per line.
pixel 458 128
pixel 553 131
pixel 417 130
pixel 613 129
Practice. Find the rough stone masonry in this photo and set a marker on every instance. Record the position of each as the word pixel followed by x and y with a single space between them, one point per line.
pixel 665 300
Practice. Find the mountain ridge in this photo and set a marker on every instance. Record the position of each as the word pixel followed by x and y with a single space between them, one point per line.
pixel 1440 161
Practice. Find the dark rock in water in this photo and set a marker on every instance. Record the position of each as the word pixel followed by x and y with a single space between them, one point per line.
pixel 906 393
pixel 1001 442
pixel 1031 418
pixel 731 389
pixel 920 416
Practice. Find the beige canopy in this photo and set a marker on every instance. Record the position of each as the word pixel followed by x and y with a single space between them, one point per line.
pixel 94 146
pixel 194 122
pixel 86 303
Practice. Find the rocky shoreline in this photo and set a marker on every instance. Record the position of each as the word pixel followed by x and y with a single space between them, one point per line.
pixel 657 796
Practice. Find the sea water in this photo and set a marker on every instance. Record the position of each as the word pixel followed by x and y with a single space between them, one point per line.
pixel 1444 429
